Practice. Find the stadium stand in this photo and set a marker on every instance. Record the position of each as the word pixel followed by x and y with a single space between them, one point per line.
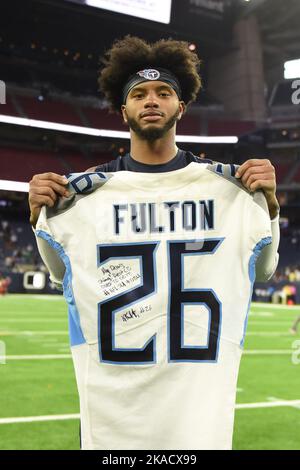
pixel 17 248
pixel 297 176
pixel 22 164
pixel 282 170
pixel 49 110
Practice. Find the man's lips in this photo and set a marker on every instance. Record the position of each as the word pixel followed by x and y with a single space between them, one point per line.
pixel 151 116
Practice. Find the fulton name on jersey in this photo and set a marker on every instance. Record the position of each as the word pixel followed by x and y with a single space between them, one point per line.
pixel 178 216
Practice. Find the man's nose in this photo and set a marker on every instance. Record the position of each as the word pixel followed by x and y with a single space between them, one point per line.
pixel 151 100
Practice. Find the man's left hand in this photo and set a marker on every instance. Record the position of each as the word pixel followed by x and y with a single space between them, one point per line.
pixel 260 174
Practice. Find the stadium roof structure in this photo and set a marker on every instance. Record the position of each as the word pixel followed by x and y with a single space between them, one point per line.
pixel 279 26
pixel 60 42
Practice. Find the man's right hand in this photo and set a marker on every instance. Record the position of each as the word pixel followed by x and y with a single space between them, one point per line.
pixel 44 189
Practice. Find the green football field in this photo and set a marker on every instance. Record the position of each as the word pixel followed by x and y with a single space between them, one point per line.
pixel 39 403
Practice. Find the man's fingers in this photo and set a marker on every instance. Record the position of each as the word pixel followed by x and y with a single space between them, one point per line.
pixel 253 179
pixel 250 164
pixel 58 188
pixel 248 172
pixel 36 185
pixel 48 201
pixel 42 196
pixel 252 175
pixel 258 169
pixel 50 177
pixel 261 184
pixel 40 201
pixel 54 177
pixel 46 191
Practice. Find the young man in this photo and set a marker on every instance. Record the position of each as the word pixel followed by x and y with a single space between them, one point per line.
pixel 156 253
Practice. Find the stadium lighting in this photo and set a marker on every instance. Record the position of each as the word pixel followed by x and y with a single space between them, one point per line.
pixel 110 133
pixel 292 69
pixel 154 10
pixel 7 185
pixel 202 139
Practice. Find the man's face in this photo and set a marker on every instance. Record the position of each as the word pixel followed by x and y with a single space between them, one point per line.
pixel 152 109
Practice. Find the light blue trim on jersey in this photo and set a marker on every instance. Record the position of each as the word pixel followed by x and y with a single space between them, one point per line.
pixel 114 312
pixel 76 335
pixel 251 271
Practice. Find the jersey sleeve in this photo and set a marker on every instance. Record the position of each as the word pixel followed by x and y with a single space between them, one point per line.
pixel 47 251
pixel 268 259
pixel 259 230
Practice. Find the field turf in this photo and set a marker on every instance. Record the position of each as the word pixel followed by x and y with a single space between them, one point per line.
pixel 38 384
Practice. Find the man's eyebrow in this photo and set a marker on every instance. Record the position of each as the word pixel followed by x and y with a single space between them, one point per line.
pixel 160 87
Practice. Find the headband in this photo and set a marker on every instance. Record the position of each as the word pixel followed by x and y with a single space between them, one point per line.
pixel 146 75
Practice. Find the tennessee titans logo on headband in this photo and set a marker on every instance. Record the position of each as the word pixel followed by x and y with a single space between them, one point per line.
pixel 149 74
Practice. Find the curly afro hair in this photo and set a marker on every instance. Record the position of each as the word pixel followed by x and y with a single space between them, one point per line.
pixel 131 54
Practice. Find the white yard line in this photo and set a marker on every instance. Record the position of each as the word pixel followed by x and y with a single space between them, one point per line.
pixel 276 399
pixel 35 357
pixel 36 296
pixel 270 323
pixel 260 314
pixel 269 333
pixel 268 351
pixel 267 404
pixel 32 419
pixel 32 320
pixel 27 313
pixel 240 406
pixel 275 306
pixel 32 333
pixel 68 356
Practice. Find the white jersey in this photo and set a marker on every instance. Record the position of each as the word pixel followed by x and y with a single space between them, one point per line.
pixel 159 276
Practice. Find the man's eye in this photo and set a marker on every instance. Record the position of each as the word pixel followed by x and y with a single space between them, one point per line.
pixel 138 96
pixel 164 93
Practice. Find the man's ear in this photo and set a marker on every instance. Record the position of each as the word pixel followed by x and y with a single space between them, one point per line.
pixel 123 110
pixel 182 107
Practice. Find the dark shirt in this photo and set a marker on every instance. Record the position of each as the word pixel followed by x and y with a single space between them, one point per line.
pixel 127 163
